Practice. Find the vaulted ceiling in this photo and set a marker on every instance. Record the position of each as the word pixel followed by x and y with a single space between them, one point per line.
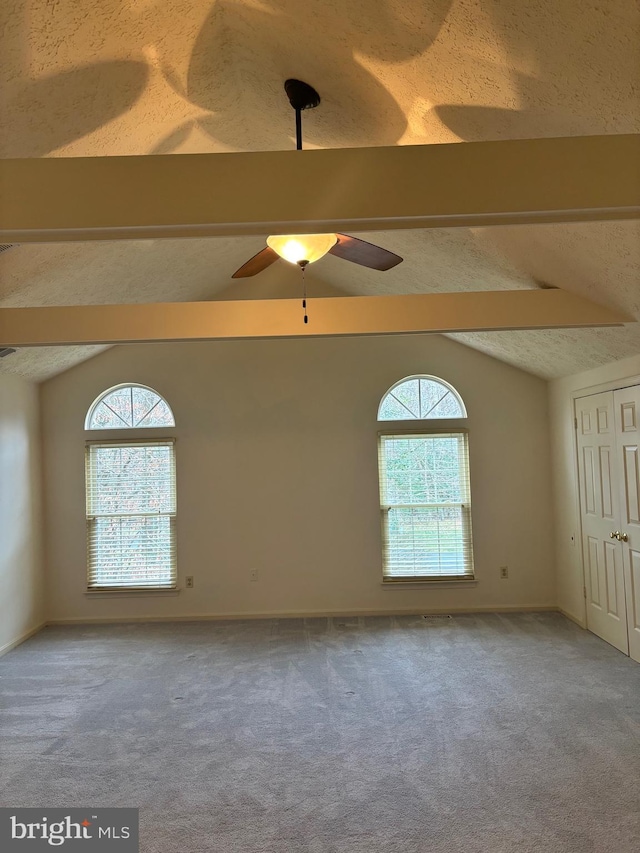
pixel 134 78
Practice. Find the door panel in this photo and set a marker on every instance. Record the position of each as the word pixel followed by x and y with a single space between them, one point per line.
pixel 627 407
pixel 634 598
pixel 603 414
pixel 585 422
pixel 600 502
pixel 589 471
pixel 593 588
pixel 614 595
pixel 628 416
pixel 632 582
pixel 631 483
pixel 605 482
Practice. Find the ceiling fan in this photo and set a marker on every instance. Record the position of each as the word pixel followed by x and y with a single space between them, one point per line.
pixel 304 249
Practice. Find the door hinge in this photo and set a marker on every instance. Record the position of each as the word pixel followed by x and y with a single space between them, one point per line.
pixel 575 423
pixel 584 591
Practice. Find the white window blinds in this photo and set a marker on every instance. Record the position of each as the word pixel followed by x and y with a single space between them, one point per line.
pixel 131 511
pixel 426 506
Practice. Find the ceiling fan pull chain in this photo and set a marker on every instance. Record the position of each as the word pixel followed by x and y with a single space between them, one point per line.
pixel 304 294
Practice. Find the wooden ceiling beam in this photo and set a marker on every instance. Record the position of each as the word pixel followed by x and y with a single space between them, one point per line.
pixel 568 179
pixel 282 318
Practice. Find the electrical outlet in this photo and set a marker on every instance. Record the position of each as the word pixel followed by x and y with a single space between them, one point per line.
pixel 188 582
pixel 504 572
pixel 253 575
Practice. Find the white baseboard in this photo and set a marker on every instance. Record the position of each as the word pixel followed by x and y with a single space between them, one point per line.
pixel 306 614
pixel 11 645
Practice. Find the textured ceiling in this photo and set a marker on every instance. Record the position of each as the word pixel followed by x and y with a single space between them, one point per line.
pixel 113 77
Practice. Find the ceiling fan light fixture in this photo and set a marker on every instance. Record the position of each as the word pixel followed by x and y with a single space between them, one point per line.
pixel 298 248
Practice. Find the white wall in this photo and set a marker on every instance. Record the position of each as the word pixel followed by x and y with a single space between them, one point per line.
pixel 568 557
pixel 21 577
pixel 277 470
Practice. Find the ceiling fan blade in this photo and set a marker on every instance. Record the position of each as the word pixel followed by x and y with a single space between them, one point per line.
pixel 363 253
pixel 257 263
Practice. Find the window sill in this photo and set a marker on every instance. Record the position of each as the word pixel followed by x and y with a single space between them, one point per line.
pixel 402 583
pixel 135 593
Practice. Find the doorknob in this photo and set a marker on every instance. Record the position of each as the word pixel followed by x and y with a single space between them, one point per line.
pixel 621 537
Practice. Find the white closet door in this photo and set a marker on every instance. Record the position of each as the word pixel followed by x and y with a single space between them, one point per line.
pixel 599 497
pixel 627 415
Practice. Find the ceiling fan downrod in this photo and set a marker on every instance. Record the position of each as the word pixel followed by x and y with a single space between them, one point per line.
pixel 301 96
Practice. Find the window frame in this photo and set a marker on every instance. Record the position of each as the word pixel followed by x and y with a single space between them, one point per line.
pixel 428 377
pixel 101 397
pixel 424 428
pixel 126 441
pixel 126 436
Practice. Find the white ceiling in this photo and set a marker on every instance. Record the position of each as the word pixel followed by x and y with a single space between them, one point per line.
pixel 115 77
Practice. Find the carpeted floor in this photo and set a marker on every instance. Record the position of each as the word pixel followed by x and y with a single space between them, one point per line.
pixel 478 734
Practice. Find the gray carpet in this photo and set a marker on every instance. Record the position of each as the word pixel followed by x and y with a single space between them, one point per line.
pixel 479 734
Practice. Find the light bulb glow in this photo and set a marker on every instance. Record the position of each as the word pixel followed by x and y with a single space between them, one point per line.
pixel 301 247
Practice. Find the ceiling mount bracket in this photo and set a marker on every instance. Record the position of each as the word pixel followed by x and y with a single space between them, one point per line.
pixel 301 96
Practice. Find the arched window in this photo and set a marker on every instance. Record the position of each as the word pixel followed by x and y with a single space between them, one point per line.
pixel 129 407
pixel 425 497
pixel 419 398
pixel 130 494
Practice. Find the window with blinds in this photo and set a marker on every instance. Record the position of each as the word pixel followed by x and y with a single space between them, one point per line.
pixel 131 514
pixel 426 506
